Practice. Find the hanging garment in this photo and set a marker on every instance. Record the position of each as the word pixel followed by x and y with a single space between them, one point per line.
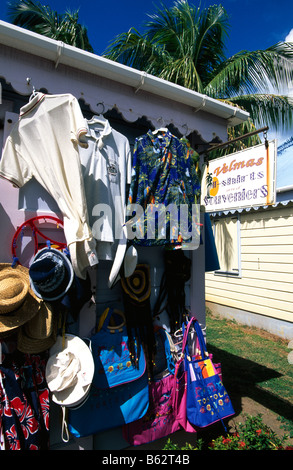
pixel 106 169
pixel 44 144
pixel 163 174
pixel 24 402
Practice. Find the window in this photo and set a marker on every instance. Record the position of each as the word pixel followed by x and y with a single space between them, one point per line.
pixel 227 239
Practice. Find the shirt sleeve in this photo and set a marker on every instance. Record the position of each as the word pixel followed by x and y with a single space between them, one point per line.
pixel 128 163
pixel 79 126
pixel 13 166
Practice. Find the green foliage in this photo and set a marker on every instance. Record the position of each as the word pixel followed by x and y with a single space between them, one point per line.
pixel 41 19
pixel 173 446
pixel 185 44
pixel 253 434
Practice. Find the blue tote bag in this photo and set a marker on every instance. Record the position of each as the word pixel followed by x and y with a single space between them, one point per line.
pixel 207 399
pixel 119 393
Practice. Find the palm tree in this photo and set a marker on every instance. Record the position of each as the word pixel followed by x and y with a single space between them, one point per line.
pixel 186 45
pixel 41 19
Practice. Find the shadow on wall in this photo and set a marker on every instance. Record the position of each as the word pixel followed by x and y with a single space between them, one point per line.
pixel 7 232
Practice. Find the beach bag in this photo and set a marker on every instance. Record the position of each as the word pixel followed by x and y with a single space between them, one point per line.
pixel 167 404
pixel 207 399
pixel 119 393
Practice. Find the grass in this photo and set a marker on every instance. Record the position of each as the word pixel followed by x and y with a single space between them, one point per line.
pixel 254 364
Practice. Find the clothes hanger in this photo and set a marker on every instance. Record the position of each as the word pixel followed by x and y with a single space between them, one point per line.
pixel 99 119
pixel 160 129
pixel 34 93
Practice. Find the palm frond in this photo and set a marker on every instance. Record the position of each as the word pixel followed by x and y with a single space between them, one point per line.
pixel 43 20
pixel 275 111
pixel 250 72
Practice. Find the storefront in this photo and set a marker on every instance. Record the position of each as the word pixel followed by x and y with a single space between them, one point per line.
pixel 132 103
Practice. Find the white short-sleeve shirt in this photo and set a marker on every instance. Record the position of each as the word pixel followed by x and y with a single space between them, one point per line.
pixel 44 144
pixel 106 169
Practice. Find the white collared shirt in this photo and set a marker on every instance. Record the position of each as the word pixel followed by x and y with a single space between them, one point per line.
pixel 106 169
pixel 44 144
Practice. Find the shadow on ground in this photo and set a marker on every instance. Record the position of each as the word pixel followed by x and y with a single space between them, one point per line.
pixel 242 377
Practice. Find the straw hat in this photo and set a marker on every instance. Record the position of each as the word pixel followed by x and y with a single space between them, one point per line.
pixel 51 274
pixel 69 371
pixel 39 333
pixel 18 304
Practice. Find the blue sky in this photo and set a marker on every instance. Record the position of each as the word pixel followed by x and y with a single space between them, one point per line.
pixel 254 24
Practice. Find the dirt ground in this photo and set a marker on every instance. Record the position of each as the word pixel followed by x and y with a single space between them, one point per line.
pixel 245 406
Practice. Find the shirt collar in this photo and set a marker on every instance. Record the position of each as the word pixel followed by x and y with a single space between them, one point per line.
pixel 162 139
pixel 106 130
pixel 32 104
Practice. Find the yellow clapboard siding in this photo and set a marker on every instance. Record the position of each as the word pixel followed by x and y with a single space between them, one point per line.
pixel 274 240
pixel 267 232
pixel 268 258
pixel 245 298
pixel 254 308
pixel 257 275
pixel 267 249
pixel 239 284
pixel 271 267
pixel 266 282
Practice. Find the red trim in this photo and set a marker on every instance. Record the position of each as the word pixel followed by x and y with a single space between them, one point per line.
pixel 33 106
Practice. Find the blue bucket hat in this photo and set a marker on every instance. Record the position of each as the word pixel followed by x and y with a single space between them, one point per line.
pixel 51 274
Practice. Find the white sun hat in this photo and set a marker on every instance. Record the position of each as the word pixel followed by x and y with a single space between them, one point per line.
pixel 69 371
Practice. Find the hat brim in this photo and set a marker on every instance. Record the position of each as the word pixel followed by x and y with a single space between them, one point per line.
pixel 61 291
pixel 25 312
pixel 40 342
pixel 73 396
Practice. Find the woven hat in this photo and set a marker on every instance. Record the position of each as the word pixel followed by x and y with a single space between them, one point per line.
pixel 69 371
pixel 18 304
pixel 51 274
pixel 137 286
pixel 39 333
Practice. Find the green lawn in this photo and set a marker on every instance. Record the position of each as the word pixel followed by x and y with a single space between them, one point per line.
pixel 254 364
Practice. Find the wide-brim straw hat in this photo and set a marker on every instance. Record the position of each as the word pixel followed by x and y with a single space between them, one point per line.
pixel 69 371
pixel 38 334
pixel 18 304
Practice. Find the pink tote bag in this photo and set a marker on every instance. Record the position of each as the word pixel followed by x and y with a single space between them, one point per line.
pixel 166 413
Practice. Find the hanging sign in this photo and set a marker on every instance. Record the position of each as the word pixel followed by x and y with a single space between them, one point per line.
pixel 242 179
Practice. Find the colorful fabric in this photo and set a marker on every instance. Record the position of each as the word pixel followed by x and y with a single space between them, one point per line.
pixel 24 404
pixel 163 173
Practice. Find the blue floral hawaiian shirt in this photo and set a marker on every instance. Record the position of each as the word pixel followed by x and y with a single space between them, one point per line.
pixel 163 174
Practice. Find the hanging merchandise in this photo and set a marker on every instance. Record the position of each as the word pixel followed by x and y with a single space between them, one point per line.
pixel 38 146
pixel 211 254
pixel 194 155
pixel 38 334
pixel 24 402
pixel 171 297
pixel 167 409
pixel 207 398
pixel 106 169
pixel 36 233
pixel 163 175
pixel 51 274
pixel 119 392
pixel 69 374
pixel 18 303
pixel 136 290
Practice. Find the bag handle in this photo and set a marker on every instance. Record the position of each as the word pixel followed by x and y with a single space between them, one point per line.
pixel 164 335
pixel 106 317
pixel 185 329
